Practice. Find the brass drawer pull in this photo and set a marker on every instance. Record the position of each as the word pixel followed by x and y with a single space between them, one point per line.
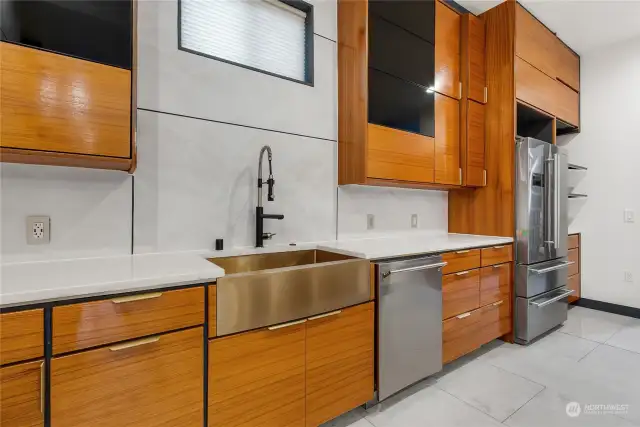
pixel 139 297
pixel 463 252
pixel 462 273
pixel 463 315
pixel 498 247
pixel 286 325
pixel 42 378
pixel 321 316
pixel 136 343
pixel 498 303
pixel 499 265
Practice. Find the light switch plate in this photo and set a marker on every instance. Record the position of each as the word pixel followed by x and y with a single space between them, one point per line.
pixel 628 277
pixel 414 221
pixel 629 216
pixel 38 230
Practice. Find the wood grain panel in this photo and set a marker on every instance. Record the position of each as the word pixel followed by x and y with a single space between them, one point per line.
pixel 496 255
pixel 463 260
pixel 17 155
pixel 567 65
pixel 213 305
pixel 258 378
pixel 89 324
pixel 574 283
pixel 574 256
pixel 495 283
pixel 475 163
pixel 573 241
pixel 489 210
pixel 339 363
pixel 535 43
pixel 372 280
pixel 53 102
pixel 20 395
pixel 447 141
pixel 399 155
pixel 535 87
pixel 447 51
pixel 460 335
pixel 156 383
pixel 21 336
pixel 472 68
pixel 460 292
pixel 495 321
pixel 567 106
pixel 352 91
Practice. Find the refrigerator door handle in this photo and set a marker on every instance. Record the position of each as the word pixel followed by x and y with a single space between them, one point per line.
pixel 558 194
pixel 548 201
pixel 554 268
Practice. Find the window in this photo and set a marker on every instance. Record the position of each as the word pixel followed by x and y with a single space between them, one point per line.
pixel 272 36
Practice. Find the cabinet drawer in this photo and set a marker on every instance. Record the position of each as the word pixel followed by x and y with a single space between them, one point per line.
pixel 258 378
pixel 461 260
pixel 339 362
pixel 497 255
pixel 574 283
pixel 495 283
pixel 574 256
pixel 460 335
pixel 152 381
pixel 460 292
pixel 573 241
pixel 89 324
pixel 21 395
pixel 21 336
pixel 495 320
pixel 213 305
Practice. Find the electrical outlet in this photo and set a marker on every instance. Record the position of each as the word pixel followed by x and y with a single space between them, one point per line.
pixel 414 221
pixel 628 277
pixel 629 215
pixel 370 221
pixel 38 230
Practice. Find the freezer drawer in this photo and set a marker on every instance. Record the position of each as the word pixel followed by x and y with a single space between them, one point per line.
pixel 535 316
pixel 536 279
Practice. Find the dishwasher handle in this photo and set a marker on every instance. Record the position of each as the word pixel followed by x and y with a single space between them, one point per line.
pixel 417 268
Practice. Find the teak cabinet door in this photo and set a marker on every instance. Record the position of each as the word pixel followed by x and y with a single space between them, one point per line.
pixel 473 58
pixel 257 378
pixel 495 283
pixel 21 395
pixel 153 381
pixel 475 167
pixel 447 158
pixel 21 336
pixel 447 51
pixel 535 43
pixel 460 293
pixel 339 362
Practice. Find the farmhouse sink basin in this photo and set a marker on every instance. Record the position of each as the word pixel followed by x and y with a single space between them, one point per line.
pixel 270 289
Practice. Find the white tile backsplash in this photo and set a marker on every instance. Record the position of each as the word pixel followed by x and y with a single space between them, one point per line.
pixel 172 80
pixel 90 211
pixel 197 182
pixel 392 208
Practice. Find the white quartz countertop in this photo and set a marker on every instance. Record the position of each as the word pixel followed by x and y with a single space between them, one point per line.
pixel 31 282
pixel 408 244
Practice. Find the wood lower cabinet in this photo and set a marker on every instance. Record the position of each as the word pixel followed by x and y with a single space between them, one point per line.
pixel 461 260
pixel 21 336
pixel 573 281
pixel 495 283
pixel 339 362
pixel 21 395
pixel 496 255
pixel 258 378
pixel 460 335
pixel 460 292
pixel 447 153
pixel 151 381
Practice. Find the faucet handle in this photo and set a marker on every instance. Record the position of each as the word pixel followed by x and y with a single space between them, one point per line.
pixel 268 236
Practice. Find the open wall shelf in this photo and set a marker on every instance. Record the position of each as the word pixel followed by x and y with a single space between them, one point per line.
pixel 577 167
pixel 577 196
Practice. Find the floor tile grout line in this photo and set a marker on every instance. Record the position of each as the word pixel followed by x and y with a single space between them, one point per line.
pixel 524 404
pixel 517 375
pixel 468 404
pixel 578 336
pixel 589 352
pixel 620 348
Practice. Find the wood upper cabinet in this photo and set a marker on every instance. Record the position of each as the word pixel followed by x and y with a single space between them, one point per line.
pixel 447 51
pixel 447 152
pixel 152 381
pixel 257 378
pixel 57 108
pixel 473 145
pixel 21 336
pixel 21 395
pixel 472 58
pixel 567 66
pixel 339 362
pixel 398 155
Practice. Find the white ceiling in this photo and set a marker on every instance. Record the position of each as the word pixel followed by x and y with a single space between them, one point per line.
pixel 583 24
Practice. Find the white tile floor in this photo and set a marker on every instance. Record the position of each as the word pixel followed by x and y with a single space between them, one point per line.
pixel 594 359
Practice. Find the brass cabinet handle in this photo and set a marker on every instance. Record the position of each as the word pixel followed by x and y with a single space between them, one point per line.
pixel 499 265
pixel 321 316
pixel 463 252
pixel 462 273
pixel 498 303
pixel 498 247
pixel 139 297
pixel 42 378
pixel 463 315
pixel 135 343
pixel 286 325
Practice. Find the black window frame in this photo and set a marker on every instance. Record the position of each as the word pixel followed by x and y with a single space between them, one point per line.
pixel 309 48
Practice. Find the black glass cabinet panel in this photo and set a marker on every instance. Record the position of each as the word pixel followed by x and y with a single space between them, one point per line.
pixel 416 16
pixel 96 30
pixel 399 104
pixel 400 53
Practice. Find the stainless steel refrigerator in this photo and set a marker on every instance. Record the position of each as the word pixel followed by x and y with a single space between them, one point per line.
pixel 541 238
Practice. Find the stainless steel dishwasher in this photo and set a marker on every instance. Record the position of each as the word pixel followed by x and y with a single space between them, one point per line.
pixel 409 322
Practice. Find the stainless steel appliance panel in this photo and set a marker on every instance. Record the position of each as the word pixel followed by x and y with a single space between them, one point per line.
pixel 536 279
pixel 535 316
pixel 409 322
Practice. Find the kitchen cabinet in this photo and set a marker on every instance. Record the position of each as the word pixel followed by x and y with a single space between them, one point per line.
pixel 460 335
pixel 213 307
pixel 574 257
pixel 460 292
pixel 258 378
pixel 21 395
pixel 156 380
pixel 567 65
pixel 472 58
pixel 447 141
pixel 447 51
pixel 573 281
pixel 21 336
pixel 496 255
pixel 472 138
pixel 495 283
pixel 339 362
pixel 461 260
